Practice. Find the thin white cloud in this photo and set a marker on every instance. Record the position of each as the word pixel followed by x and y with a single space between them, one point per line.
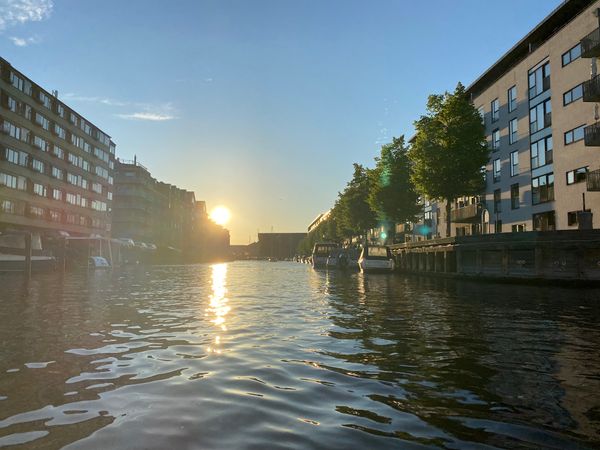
pixel 24 42
pixel 154 117
pixel 102 100
pixel 18 12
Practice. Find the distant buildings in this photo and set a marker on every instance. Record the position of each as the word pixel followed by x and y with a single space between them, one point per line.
pixel 153 212
pixel 56 167
pixel 279 245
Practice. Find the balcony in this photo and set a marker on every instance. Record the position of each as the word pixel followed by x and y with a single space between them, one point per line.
pixel 593 181
pixel 466 214
pixel 590 45
pixel 591 135
pixel 591 90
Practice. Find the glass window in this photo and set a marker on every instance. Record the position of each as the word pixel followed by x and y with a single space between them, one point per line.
pixel 514 196
pixel 495 139
pixel 512 99
pixel 577 175
pixel 514 163
pixel 513 131
pixel 495 110
pixel 574 135
pixel 540 116
pixel 574 94
pixel 539 80
pixel 497 167
pixel 542 189
pixel 571 55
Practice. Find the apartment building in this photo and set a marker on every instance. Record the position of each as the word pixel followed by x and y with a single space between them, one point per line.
pixel 56 167
pixel 536 117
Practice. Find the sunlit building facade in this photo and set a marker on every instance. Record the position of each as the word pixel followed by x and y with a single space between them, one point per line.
pixel 56 167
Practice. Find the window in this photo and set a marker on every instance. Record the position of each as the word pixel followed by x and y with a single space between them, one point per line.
pixel 36 211
pixel 39 189
pixel 577 175
pixel 571 55
pixel 514 163
pixel 58 152
pixel 498 226
pixel 45 100
pixel 97 188
pixel 16 157
pixel 574 135
pixel 7 206
pixel 12 104
pixel 542 189
pixel 55 216
pixel 40 143
pixel 495 140
pixel 512 99
pixel 497 166
pixel 495 110
pixel 514 196
pixel 541 152
pixel 71 198
pixel 37 165
pixel 11 129
pixel 57 194
pixel 540 116
pixel 60 131
pixel 497 201
pixel 13 182
pixel 544 221
pixel 60 109
pixel 513 131
pixel 42 121
pixel 482 114
pixel 574 94
pixel 109 195
pixel 20 83
pixel 73 119
pixel 70 218
pixel 539 80
pixel 518 228
pixel 57 173
pixel 72 179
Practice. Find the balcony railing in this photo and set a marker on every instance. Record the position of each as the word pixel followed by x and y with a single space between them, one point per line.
pixel 590 45
pixel 591 90
pixel 466 214
pixel 593 181
pixel 591 135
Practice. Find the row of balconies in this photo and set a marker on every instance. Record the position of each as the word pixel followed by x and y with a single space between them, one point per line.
pixel 590 48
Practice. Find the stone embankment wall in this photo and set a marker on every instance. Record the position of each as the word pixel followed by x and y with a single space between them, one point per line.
pixel 553 255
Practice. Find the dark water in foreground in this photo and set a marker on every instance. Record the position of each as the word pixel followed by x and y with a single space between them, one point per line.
pixel 263 355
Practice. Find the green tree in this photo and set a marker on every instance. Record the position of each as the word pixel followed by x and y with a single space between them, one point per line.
pixel 392 194
pixel 449 149
pixel 355 215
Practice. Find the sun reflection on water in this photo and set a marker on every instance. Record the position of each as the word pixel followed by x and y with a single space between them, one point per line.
pixel 218 307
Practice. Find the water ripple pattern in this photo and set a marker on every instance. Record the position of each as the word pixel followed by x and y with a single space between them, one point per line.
pixel 277 355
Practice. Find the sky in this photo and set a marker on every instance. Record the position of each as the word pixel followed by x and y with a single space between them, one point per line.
pixel 261 106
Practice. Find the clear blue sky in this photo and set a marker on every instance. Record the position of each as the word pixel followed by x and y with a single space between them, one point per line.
pixel 261 106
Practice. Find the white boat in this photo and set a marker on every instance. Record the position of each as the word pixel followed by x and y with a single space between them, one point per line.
pixel 376 258
pixel 321 252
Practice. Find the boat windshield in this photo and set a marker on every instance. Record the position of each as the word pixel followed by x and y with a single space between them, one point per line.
pixel 377 252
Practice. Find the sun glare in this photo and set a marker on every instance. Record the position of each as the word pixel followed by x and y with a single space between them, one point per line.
pixel 220 215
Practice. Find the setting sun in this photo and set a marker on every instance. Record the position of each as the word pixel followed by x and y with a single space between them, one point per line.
pixel 220 215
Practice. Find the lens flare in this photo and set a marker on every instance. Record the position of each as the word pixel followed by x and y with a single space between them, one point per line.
pixel 220 215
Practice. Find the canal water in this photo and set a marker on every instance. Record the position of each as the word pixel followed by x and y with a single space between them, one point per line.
pixel 278 355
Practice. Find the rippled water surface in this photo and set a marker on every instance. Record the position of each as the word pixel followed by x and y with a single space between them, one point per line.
pixel 268 355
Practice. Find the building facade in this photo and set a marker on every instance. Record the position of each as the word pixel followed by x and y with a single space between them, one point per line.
pixel 56 167
pixel 535 114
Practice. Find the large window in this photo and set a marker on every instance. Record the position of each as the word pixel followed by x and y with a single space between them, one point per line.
pixel 539 80
pixel 577 175
pixel 574 135
pixel 540 116
pixel 495 140
pixel 571 55
pixel 38 165
pixel 514 163
pixel 544 221
pixel 16 157
pixel 513 131
pixel 497 201
pixel 514 196
pixel 542 189
pixel 573 94
pixel 512 99
pixel 497 167
pixel 541 152
pixel 42 121
pixel 495 110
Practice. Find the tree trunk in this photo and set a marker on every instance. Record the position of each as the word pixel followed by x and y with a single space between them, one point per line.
pixel 448 215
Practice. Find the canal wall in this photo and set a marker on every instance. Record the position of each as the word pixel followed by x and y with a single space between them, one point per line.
pixel 549 255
